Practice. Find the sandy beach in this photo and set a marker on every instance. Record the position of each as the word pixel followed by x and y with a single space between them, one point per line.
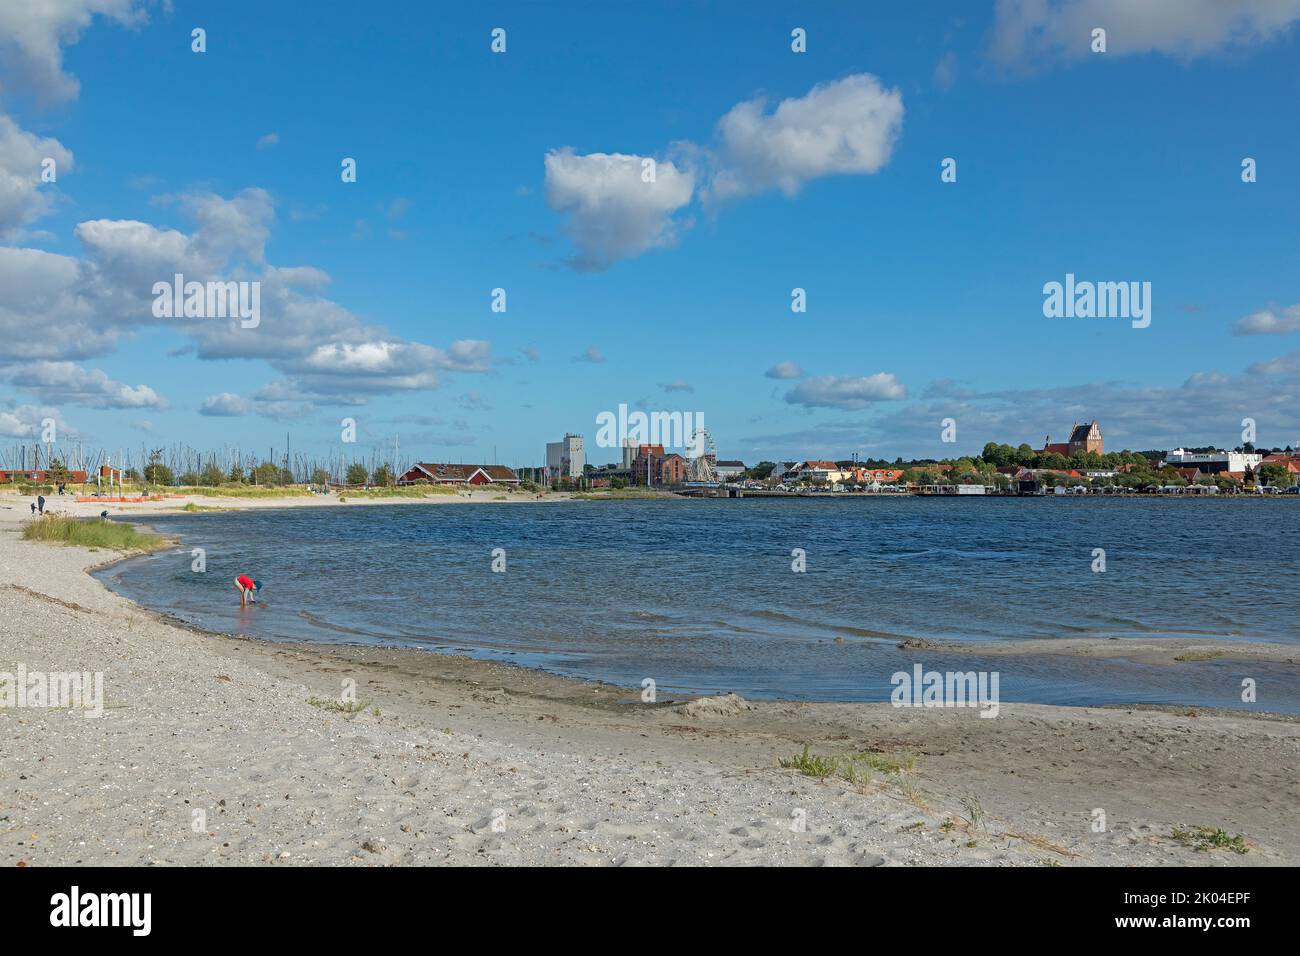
pixel 216 750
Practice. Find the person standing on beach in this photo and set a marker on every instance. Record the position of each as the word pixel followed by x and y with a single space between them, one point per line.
pixel 247 588
pixel 40 503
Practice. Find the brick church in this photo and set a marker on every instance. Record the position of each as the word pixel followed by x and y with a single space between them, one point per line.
pixel 1083 438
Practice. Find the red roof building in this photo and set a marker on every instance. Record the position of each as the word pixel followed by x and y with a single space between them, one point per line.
pixel 446 474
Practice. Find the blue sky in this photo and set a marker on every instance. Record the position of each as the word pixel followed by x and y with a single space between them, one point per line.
pixel 818 170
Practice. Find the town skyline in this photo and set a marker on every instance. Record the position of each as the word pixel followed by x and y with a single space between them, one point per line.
pixel 923 295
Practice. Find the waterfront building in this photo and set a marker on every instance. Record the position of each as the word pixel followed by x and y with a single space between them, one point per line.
pixel 729 470
pixel 448 474
pixel 1083 438
pixel 1214 462
pixel 565 459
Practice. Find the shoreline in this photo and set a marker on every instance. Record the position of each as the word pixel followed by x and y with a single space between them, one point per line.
pixel 480 762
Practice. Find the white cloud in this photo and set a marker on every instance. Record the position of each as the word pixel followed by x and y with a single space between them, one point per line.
pixel 39 292
pixel 614 214
pixel 1028 30
pixel 848 126
pixel 329 354
pixel 847 392
pixel 267 141
pixel 23 197
pixel 226 405
pixel 24 421
pixel 1269 322
pixel 69 383
pixel 784 370
pixel 592 354
pixel 34 32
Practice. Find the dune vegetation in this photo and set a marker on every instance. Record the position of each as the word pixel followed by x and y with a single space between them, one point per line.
pixel 91 533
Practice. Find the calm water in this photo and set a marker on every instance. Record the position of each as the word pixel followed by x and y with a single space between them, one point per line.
pixel 700 595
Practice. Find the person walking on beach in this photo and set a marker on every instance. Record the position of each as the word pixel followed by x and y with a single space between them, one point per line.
pixel 40 503
pixel 247 588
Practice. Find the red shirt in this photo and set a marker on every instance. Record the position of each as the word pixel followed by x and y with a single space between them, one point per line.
pixel 244 581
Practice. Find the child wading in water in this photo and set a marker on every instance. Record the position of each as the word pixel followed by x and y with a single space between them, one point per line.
pixel 246 587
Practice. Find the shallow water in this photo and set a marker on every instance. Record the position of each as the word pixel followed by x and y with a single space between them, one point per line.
pixel 700 595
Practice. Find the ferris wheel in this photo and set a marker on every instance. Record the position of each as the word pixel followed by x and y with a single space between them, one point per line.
pixel 702 457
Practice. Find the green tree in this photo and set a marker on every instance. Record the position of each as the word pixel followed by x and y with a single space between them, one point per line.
pixel 320 477
pixel 236 476
pixel 156 473
pixel 57 471
pixel 383 476
pixel 266 474
pixel 211 475
pixel 1275 475
pixel 357 474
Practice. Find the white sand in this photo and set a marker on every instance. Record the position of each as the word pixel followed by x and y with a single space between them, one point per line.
pixel 476 763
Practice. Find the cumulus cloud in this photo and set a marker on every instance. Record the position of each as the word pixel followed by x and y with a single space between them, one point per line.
pixel 70 383
pixel 26 421
pixel 784 370
pixel 23 197
pixel 1288 364
pixel 1269 322
pixel 1028 30
pixel 613 212
pixel 225 405
pixel 592 354
pixel 848 126
pixel 327 354
pixel 33 34
pixel 847 392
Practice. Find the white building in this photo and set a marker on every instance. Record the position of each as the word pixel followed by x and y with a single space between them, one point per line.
pixel 630 447
pixel 1214 461
pixel 819 471
pixel 565 458
pixel 729 470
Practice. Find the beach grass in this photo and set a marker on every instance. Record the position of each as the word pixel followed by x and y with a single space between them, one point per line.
pixel 1209 838
pixel 855 768
pixel 406 491
pixel 348 708
pixel 90 533
pixel 809 764
pixel 1200 655
pixel 240 491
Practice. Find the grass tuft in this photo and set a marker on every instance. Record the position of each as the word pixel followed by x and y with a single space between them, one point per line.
pixel 855 768
pixel 1200 655
pixel 90 533
pixel 340 706
pixel 809 764
pixel 1210 838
